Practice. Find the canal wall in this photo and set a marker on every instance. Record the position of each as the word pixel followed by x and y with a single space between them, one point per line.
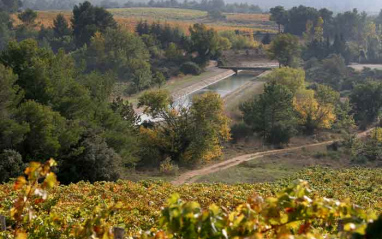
pixel 202 84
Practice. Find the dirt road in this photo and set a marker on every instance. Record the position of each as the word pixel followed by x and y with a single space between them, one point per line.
pixel 192 176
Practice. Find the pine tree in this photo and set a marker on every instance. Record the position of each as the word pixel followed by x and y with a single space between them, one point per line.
pixel 61 27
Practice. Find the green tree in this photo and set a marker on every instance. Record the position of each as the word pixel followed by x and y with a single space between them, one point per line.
pixel 99 85
pixel 159 79
pixel 271 114
pixel 122 53
pixel 205 42
pixel 378 20
pixel 11 132
pixel 173 53
pixel 61 27
pixel 10 93
pixel 11 165
pixel 298 17
pixel 366 100
pixel 330 71
pixel 95 161
pixel 50 134
pixel 23 58
pixel 87 20
pixel 126 111
pixel 279 15
pixel 10 5
pixel 28 17
pixel 6 33
pixel 286 49
pixel 267 39
pixel 293 79
pixel 48 78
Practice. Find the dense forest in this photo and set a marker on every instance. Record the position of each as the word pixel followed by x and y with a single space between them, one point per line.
pixel 58 105
pixel 352 34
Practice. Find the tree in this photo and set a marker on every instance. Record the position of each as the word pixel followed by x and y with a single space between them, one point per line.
pixel 28 17
pixel 95 162
pixel 314 113
pixel 11 165
pixel 159 79
pixel 366 100
pixel 330 71
pixel 293 79
pixel 87 20
pixel 299 17
pixel 120 52
pixel 266 39
pixel 48 78
pixel 10 5
pixel 10 93
pixel 100 86
pixel 205 42
pixel 286 49
pixel 11 132
pixel 126 111
pixel 279 15
pixel 23 58
pixel 271 114
pixel 327 17
pixel 6 33
pixel 173 53
pixel 346 24
pixel 209 128
pixel 50 134
pixel 185 135
pixel 61 27
pixel 378 20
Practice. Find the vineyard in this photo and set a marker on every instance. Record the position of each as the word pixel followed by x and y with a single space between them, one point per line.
pixel 140 203
pixel 128 18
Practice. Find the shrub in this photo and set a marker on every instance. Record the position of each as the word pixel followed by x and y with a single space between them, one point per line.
pixel 240 131
pixel 167 167
pixel 190 68
pixel 11 165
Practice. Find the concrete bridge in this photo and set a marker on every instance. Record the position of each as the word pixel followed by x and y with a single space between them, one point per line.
pixel 236 69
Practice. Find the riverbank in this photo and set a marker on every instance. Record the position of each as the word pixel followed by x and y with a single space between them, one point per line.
pixel 244 93
pixel 221 75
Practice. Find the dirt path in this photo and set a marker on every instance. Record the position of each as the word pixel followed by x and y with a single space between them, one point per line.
pixel 192 176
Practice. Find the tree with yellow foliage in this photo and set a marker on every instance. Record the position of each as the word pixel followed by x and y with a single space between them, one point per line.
pixel 313 113
pixel 186 135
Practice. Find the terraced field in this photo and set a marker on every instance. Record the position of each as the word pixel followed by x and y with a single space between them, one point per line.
pixel 182 18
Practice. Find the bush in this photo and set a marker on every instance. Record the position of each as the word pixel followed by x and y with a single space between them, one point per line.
pixel 96 162
pixel 240 131
pixel 168 168
pixel 190 68
pixel 11 165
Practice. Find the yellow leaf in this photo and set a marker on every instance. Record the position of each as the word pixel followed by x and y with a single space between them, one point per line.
pixel 51 180
pixel 21 235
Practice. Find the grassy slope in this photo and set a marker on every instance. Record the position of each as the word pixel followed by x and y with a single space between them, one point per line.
pixel 172 85
pixel 272 168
